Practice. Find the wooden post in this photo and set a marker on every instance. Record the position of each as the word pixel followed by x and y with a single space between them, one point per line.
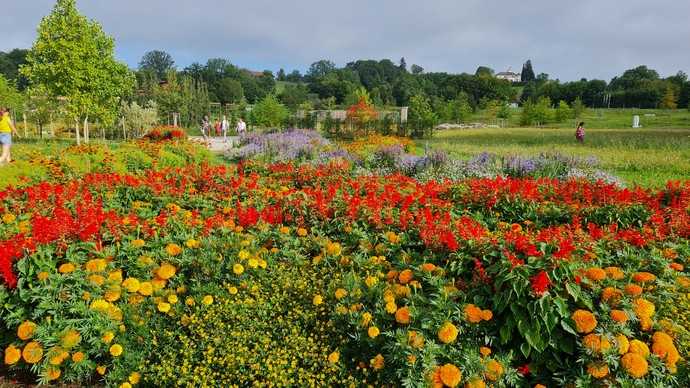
pixel 26 127
pixel 124 129
pixel 86 130
pixel 76 123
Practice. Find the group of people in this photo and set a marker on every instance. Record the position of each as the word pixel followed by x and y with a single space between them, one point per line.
pixel 220 127
pixel 7 129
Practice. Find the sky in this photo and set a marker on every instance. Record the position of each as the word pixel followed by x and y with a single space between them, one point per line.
pixel 568 40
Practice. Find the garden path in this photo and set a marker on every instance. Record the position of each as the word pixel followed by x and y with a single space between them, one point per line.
pixel 217 144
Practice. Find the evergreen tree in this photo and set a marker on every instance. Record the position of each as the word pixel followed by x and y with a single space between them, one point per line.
pixel 403 64
pixel 527 72
pixel 669 100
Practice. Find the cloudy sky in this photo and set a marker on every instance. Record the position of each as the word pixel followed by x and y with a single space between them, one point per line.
pixel 566 39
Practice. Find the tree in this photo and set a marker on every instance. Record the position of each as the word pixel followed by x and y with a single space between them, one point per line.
pixel 10 63
pixel 484 71
pixel 293 95
pixel 320 69
pixel 416 69
pixel 527 72
pixel 229 91
pixel 158 62
pixel 41 106
pixel 269 112
pixel 422 118
pixel 563 111
pixel 74 58
pixel 139 119
pixel 578 108
pixel 281 74
pixel 670 99
pixel 403 64
pixel 9 95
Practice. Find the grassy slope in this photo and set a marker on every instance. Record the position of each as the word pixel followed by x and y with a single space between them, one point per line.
pixel 648 157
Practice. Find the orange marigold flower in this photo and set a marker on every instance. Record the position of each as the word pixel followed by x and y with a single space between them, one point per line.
pixel 166 271
pixel 26 330
pixel 415 339
pixel 402 316
pixel 643 277
pixel 598 370
pixel 676 266
pixel 475 383
pixel 639 347
pixel 595 274
pixel 585 321
pixel 12 355
pixel 635 365
pixel 447 333
pixel 33 352
pixel 377 362
pixel 663 347
pixel 614 273
pixel 596 343
pixel 473 313
pixel 428 267
pixel 619 316
pixel 623 344
pixel 52 373
pixel 450 375
pixel 494 370
pixel 611 295
pixel 487 315
pixel 78 357
pixel 173 249
pixel 373 332
pixel 633 290
pixel 405 276
pixel 334 357
pixel 67 268
pixel 485 351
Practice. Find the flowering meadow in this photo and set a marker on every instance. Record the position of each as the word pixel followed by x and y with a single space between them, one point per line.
pixel 314 274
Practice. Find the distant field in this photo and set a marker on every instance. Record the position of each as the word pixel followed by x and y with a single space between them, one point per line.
pixel 648 157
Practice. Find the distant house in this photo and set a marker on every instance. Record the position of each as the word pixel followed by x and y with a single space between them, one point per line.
pixel 509 76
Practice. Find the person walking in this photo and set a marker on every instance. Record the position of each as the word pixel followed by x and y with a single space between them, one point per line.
pixel 217 128
pixel 224 127
pixel 580 132
pixel 205 128
pixel 241 127
pixel 7 129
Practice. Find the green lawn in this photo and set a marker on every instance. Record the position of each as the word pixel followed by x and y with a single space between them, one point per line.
pixel 647 157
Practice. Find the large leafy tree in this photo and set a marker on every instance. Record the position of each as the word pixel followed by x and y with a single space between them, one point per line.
pixel 74 58
pixel 157 62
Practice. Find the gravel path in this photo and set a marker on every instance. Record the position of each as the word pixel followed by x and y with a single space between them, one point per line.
pixel 217 144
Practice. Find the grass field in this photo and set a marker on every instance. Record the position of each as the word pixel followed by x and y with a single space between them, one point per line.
pixel 648 157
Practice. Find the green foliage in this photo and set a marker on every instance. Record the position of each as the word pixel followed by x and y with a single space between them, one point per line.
pixel 670 99
pixel 182 95
pixel 563 112
pixel 139 119
pixel 74 58
pixel 269 112
pixel 10 62
pixel 422 118
pixel 9 95
pixel 578 108
pixel 157 62
pixel 527 74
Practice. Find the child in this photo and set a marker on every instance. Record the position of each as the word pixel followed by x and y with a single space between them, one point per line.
pixel 580 132
pixel 7 129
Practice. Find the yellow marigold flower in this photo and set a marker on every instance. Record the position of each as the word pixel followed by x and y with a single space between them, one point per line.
pixel 405 276
pixel 166 271
pixel 8 218
pixel 52 373
pixel 317 300
pixel 614 273
pixel 333 249
pixel 33 352
pixel 373 332
pixel 134 378
pixel 238 269
pixel 115 276
pixel 611 295
pixel 334 357
pixel 108 337
pixel 66 268
pixel 595 274
pixel 126 384
pixel 635 365
pixel 598 370
pixel 447 333
pixel 402 315
pixel 78 357
pixel 366 319
pixel 302 232
pixel 116 350
pixel 639 347
pixel 173 249
pixel 26 330
pixel 253 263
pixel 43 276
pixel 643 308
pixel 145 288
pixel 415 339
pixel 619 316
pixel 643 277
pixel 473 313
pixel 172 299
pixel 633 290
pixel 12 355
pixel 207 300
pixel 101 369
pixel 145 261
pixel 585 321
pixel 449 375
pixel 494 370
pixel 411 359
pixel 377 362
pixel 284 230
pixel 371 281
pixel 59 356
pixel 99 305
pixel 485 351
pixel 232 290
pixel 192 243
pixel 86 295
pixel 71 339
pixel 163 307
pixel 391 307
pixel 96 279
pixel 113 293
pixel 623 344
pixel 138 243
pixel 189 301
pixel 131 284
pixel 96 265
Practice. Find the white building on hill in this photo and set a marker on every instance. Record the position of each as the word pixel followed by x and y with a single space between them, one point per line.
pixel 509 76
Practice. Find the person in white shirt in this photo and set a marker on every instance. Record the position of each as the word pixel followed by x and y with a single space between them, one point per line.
pixel 241 126
pixel 224 127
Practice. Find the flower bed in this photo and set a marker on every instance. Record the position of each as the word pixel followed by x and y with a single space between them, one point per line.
pixel 289 274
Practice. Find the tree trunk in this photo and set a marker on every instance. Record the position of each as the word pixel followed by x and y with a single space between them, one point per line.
pixel 76 128
pixel 86 130
pixel 124 129
pixel 26 126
